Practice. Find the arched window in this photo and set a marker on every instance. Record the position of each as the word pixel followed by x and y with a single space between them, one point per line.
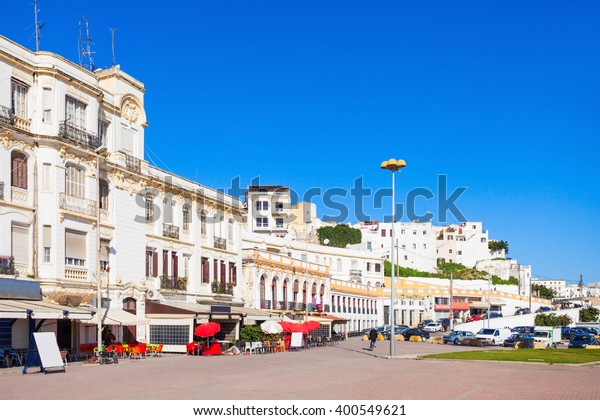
pixel 75 181
pixel 103 194
pixel 18 170
pixel 295 292
pixel 321 293
pixel 274 293
pixel 304 293
pixel 130 305
pixel 285 294
pixel 263 293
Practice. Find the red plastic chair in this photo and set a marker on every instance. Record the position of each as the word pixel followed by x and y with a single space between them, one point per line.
pixel 191 348
pixel 143 349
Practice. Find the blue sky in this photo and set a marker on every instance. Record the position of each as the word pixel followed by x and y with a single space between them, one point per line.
pixel 502 97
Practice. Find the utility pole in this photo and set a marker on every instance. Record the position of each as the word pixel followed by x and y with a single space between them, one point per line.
pixel 451 311
pixel 581 288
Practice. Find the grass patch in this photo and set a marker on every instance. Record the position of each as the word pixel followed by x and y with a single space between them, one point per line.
pixel 569 356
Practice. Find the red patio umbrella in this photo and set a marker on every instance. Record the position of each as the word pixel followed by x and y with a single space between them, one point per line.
pixel 312 325
pixel 286 326
pixel 207 330
pixel 299 328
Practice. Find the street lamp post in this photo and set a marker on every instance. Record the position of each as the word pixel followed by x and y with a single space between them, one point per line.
pixel 489 303
pixel 393 165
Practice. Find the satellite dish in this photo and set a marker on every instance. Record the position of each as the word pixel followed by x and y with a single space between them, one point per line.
pixel 326 241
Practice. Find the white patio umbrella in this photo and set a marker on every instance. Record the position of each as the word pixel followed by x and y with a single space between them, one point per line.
pixel 271 327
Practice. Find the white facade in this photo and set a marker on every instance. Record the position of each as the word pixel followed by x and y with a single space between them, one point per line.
pixel 146 233
pixel 465 243
pixel 415 243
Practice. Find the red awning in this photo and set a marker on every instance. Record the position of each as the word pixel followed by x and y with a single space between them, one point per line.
pixel 456 306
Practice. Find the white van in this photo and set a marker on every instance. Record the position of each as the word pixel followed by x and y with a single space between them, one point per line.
pixel 493 336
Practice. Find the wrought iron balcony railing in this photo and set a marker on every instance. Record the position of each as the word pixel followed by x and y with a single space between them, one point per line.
pixel 221 288
pixel 133 163
pixel 77 205
pixel 170 231
pixel 78 136
pixel 173 283
pixel 220 243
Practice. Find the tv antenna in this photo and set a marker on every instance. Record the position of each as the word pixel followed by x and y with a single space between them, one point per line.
pixel 38 26
pixel 112 41
pixel 88 50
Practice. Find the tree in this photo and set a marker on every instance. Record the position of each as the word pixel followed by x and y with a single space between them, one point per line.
pixel 339 235
pixel 498 245
pixel 551 320
pixel 251 333
pixel 589 314
pixel 543 291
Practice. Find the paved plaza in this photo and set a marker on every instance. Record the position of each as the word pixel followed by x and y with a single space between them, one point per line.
pixel 347 372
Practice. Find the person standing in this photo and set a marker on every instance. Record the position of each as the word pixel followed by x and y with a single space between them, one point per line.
pixel 373 338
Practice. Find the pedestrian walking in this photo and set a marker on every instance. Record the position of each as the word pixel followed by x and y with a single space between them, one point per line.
pixel 373 338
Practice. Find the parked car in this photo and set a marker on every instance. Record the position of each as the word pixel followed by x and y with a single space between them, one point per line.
pixel 591 330
pixel 523 329
pixel 543 309
pixel 516 337
pixel 492 315
pixel 575 331
pixel 474 318
pixel 565 333
pixel 522 311
pixel 581 341
pixel 409 332
pixel 433 327
pixel 424 322
pixel 445 323
pixel 457 337
pixel 493 336
pixel 397 330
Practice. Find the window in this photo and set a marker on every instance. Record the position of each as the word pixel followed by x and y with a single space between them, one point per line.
pixel 383 233
pixel 262 222
pixel 459 252
pixel 168 211
pixel 102 131
pixel 75 248
pixel 278 206
pixel 424 232
pixel 414 232
pixel 149 208
pixel 279 223
pixel 369 246
pixel 47 105
pixel 75 181
pixel 402 232
pixel 424 246
pixel 186 266
pixel 377 267
pixel 18 170
pixel 104 255
pixel 151 263
pixel 203 222
pixel 406 258
pixel 414 246
pixel 75 113
pixel 482 240
pixel 403 247
pixel 103 194
pixel 303 257
pixel 450 251
pixel 186 217
pixel 205 270
pixel 450 237
pixel 19 99
pixel 368 266
pixel 474 227
pixel 262 205
pixel 20 244
pixel 128 140
pixel 339 264
pixel 47 242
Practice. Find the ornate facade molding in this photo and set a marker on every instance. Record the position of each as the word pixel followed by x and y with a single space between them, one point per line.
pixel 8 140
pixel 65 155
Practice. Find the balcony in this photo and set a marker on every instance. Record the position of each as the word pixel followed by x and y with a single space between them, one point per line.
pixel 220 243
pixel 221 288
pixel 265 304
pixel 7 265
pixel 76 274
pixel 170 231
pixel 300 306
pixel 22 124
pixel 355 273
pixel 19 195
pixel 78 136
pixel 133 163
pixel 173 283
pixel 77 205
pixel 326 308
pixel 1 191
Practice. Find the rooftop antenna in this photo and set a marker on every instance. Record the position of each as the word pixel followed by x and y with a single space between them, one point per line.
pixel 112 41
pixel 88 51
pixel 38 26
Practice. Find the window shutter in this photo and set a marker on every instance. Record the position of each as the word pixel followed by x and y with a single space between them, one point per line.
pixel 175 267
pixel 148 256
pixel 154 264
pixel 128 140
pixel 165 262
pixel 75 245
pixel 20 244
pixel 47 236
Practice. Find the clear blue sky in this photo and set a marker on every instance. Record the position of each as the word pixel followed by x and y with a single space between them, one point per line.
pixel 503 97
